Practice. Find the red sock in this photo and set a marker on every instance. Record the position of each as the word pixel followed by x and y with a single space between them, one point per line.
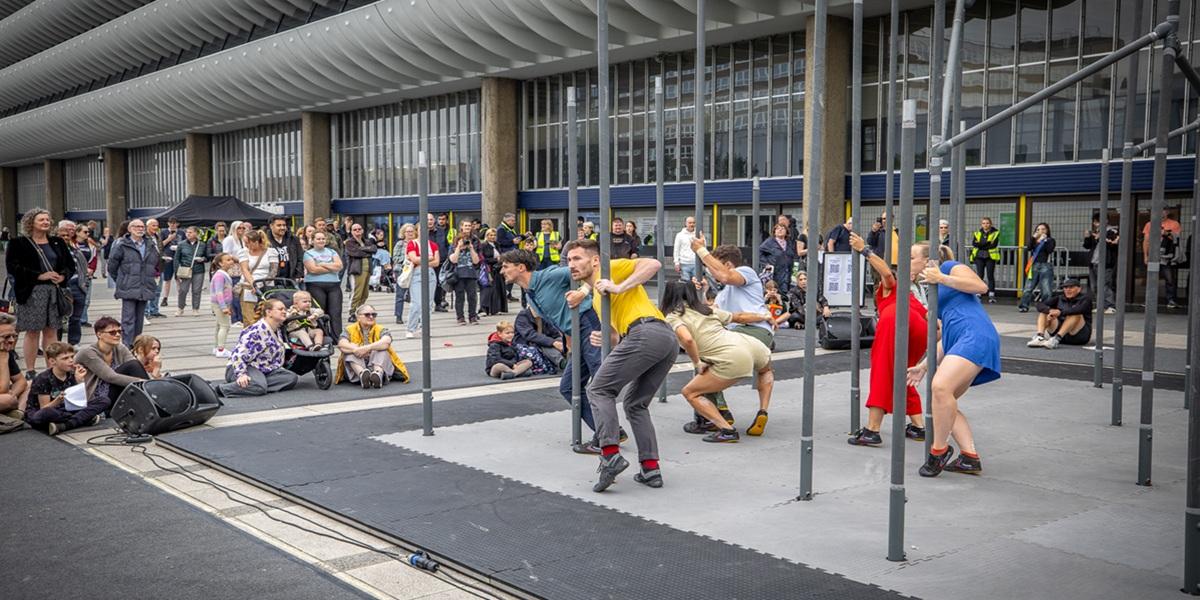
pixel 650 464
pixel 610 450
pixel 969 454
pixel 936 452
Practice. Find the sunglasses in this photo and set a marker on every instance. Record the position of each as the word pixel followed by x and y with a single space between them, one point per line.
pixel 112 331
pixel 370 315
pixel 8 336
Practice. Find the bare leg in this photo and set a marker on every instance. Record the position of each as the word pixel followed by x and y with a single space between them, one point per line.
pixel 1071 325
pixel 918 420
pixel 954 376
pixel 962 434
pixel 1042 322
pixel 765 385
pixel 318 336
pixel 702 384
pixel 875 418
pixel 30 346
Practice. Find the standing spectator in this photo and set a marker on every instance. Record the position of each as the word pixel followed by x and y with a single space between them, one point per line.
pixel 133 263
pixel 589 231
pixel 685 259
pixel 109 363
pixel 321 267
pixel 13 384
pixel 1039 273
pixel 367 357
pixel 287 246
pixel 549 244
pixel 41 265
pixel 1169 253
pixel 4 239
pixel 259 262
pixel 621 244
pixel 838 239
pixel 412 251
pixel 492 299
pixel 221 299
pixel 777 253
pixel 408 232
pixel 77 284
pixel 154 232
pixel 466 259
pixel 440 236
pixel 233 245
pixel 106 241
pixel 256 367
pixel 190 254
pixel 631 232
pixel 215 245
pixel 985 253
pixel 1091 242
pixel 90 249
pixel 359 249
pixel 876 238
pixel 170 242
pixel 506 240
pixel 44 409
pixel 943 232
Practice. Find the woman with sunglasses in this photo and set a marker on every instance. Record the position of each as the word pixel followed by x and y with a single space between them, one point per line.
pixel 110 365
pixel 367 357
pixel 359 250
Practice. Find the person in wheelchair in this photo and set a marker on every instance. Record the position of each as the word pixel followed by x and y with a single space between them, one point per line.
pixel 301 324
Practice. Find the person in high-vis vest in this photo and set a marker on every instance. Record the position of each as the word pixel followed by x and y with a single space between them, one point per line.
pixel 548 244
pixel 985 253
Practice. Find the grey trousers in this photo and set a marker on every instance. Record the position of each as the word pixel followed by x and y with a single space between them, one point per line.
pixel 260 385
pixel 194 284
pixel 632 373
pixel 379 358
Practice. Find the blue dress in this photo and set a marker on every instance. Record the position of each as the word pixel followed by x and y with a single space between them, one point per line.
pixel 967 330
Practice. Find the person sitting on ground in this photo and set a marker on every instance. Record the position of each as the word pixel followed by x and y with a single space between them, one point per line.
pixel 774 303
pixel 110 365
pixel 367 356
pixel 798 296
pixel 1064 318
pixel 13 385
pixel 45 408
pixel 303 330
pixel 148 351
pixel 503 360
pixel 545 343
pixel 256 366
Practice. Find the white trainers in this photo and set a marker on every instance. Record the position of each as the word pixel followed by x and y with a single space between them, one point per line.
pixel 1110 311
pixel 221 353
pixel 1036 341
pixel 1051 343
pixel 195 312
pixel 179 313
pixel 409 335
pixel 237 324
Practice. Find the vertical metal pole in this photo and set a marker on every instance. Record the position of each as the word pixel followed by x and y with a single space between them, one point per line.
pixel 1157 197
pixel 755 230
pixel 698 145
pixel 1189 393
pixel 1098 291
pixel 426 298
pixel 812 202
pixel 892 132
pixel 935 201
pixel 604 148
pixel 896 499
pixel 572 216
pixel 1128 236
pixel 958 184
pixel 660 222
pixel 1191 518
pixel 856 215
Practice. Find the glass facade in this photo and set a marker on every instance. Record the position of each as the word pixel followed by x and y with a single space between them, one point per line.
pixel 83 184
pixel 31 187
pixel 1013 49
pixel 157 175
pixel 375 149
pixel 754 110
pixel 259 164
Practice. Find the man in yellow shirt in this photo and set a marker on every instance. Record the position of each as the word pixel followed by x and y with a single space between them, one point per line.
pixel 638 363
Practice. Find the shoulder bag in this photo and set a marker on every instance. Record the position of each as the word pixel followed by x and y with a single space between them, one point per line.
pixel 62 298
pixel 182 272
pixel 246 288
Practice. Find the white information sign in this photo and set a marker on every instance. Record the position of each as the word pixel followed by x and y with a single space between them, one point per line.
pixel 838 278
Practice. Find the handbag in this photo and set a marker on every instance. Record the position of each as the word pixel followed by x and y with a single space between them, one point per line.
pixel 243 287
pixel 447 276
pixel 182 272
pixel 485 279
pixel 62 299
pixel 405 278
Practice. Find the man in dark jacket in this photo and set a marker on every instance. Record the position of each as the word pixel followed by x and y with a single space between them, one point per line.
pixel 540 333
pixel 1091 240
pixel 1064 318
pixel 506 240
pixel 779 254
pixel 440 234
pixel 291 256
pixel 134 263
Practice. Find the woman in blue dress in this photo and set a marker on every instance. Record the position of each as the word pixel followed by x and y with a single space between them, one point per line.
pixel 968 355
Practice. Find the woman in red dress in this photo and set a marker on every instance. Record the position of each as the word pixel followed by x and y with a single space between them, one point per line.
pixel 883 349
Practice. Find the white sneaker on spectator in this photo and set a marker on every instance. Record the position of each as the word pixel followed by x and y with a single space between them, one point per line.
pixel 179 313
pixel 225 353
pixel 408 335
pixel 1051 343
pixel 1036 341
pixel 237 324
pixel 1110 311
pixel 195 312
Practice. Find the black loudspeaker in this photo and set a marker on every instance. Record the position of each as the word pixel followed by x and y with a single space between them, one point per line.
pixel 157 406
pixel 834 333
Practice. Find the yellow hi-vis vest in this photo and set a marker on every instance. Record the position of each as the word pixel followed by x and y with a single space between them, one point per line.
pixel 542 246
pixel 992 237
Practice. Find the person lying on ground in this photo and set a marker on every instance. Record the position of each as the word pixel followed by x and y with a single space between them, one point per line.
pixel 367 356
pixel 1064 318
pixel 503 361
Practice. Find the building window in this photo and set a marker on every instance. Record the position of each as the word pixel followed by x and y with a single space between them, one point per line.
pixel 157 175
pixel 83 184
pixel 260 164
pixel 31 187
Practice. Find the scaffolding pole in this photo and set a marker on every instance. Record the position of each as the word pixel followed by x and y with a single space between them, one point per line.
pixel 603 149
pixel 572 216
pixel 890 145
pixel 698 146
pixel 660 227
pixel 1101 272
pixel 426 298
pixel 855 215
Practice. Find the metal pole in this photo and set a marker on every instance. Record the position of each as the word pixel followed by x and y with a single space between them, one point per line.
pixel 1098 285
pixel 896 499
pixel 698 144
pixel 755 231
pixel 937 90
pixel 660 222
pixel 1150 143
pixel 604 148
pixel 958 187
pixel 812 201
pixel 426 297
pixel 1127 240
pixel 892 132
pixel 1157 197
pixel 1189 391
pixel 1191 536
pixel 572 216
pixel 856 215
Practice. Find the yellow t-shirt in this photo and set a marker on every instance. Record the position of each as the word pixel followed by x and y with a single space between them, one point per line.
pixel 629 305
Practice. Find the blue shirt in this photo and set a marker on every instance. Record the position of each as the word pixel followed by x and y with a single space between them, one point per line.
pixel 744 298
pixel 321 257
pixel 547 290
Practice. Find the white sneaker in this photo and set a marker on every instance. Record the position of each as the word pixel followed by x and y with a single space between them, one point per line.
pixel 1036 341
pixel 222 353
pixel 1051 343
pixel 195 312
pixel 237 324
pixel 1110 311
pixel 179 313
pixel 409 335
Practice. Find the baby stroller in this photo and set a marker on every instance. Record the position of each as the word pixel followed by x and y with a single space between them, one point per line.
pixel 297 358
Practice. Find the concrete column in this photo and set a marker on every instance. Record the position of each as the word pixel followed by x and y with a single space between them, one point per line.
pixel 8 199
pixel 199 164
pixel 116 205
pixel 501 132
pixel 833 158
pixel 54 189
pixel 316 163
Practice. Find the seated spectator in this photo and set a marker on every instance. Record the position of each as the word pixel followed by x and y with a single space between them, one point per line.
pixel 45 409
pixel 301 325
pixel 13 385
pixel 545 341
pixel 503 361
pixel 148 351
pixel 256 366
pixel 1064 318
pixel 798 296
pixel 774 302
pixel 367 357
pixel 110 365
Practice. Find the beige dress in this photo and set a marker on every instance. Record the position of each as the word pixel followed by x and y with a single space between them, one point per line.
pixel 730 354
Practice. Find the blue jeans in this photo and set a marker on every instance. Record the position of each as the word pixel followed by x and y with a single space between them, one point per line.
pixel 414 298
pixel 589 363
pixel 74 326
pixel 235 307
pixel 687 272
pixel 1041 278
pixel 152 306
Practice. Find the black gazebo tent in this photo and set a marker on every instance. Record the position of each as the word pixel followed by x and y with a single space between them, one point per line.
pixel 206 210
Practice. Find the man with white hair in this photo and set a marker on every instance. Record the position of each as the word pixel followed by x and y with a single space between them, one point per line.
pixel 133 262
pixel 943 232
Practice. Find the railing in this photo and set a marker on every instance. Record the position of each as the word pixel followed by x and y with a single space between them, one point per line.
pixel 1010 274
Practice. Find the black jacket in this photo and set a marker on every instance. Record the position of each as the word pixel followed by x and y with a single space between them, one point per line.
pixel 1080 305
pixel 781 258
pixel 1046 252
pixel 500 352
pixel 506 238
pixel 291 256
pixel 1110 254
pixel 528 334
pixel 25 265
pixel 797 297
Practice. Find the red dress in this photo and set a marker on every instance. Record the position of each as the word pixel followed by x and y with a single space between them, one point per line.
pixel 883 350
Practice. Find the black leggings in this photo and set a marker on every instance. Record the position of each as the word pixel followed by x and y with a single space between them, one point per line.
pixel 328 296
pixel 469 287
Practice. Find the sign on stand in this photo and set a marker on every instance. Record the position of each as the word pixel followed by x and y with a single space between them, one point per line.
pixel 838 277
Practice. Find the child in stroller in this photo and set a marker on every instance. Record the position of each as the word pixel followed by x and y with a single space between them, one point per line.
pixel 303 330
pixel 299 357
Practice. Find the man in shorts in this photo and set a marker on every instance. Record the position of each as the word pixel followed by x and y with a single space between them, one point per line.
pixel 1064 318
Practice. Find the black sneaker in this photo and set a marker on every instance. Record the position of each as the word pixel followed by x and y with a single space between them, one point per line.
pixel 164 302
pixel 588 447
pixel 651 478
pixel 864 437
pixel 699 425
pixel 965 464
pixel 622 437
pixel 728 416
pixel 913 432
pixel 723 436
pixel 934 464
pixel 609 468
